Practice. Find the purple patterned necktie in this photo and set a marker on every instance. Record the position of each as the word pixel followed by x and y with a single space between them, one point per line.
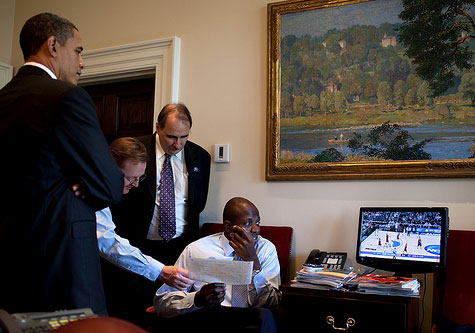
pixel 166 215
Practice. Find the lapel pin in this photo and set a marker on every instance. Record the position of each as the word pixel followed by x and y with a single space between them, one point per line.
pixel 195 169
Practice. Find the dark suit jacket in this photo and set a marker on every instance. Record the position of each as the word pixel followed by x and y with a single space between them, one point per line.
pixel 50 139
pixel 134 213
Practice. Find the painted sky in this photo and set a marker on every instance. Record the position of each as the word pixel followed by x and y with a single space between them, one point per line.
pixel 318 22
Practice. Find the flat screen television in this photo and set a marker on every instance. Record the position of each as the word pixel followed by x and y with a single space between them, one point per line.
pixel 404 240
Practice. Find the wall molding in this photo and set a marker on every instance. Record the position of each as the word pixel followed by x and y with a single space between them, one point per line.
pixel 160 57
pixel 6 74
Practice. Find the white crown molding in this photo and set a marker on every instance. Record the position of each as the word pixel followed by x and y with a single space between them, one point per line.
pixel 160 57
pixel 6 74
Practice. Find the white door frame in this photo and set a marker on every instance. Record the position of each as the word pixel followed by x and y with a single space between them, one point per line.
pixel 160 57
pixel 6 74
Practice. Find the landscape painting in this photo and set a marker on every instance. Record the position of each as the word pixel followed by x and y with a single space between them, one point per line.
pixel 359 90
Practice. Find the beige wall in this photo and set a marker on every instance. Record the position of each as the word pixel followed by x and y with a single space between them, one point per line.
pixel 7 11
pixel 223 81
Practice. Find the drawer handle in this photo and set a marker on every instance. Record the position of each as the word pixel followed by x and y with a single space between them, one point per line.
pixel 349 322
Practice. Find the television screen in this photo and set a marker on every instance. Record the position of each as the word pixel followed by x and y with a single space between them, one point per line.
pixel 404 240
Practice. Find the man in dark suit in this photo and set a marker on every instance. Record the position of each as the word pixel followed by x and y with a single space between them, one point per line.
pixel 51 139
pixel 138 214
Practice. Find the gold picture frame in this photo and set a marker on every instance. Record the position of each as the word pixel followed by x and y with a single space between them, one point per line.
pixel 277 170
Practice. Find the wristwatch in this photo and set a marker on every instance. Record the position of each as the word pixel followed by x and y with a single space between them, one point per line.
pixel 256 271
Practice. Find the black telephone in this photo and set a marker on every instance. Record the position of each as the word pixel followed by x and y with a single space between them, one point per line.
pixel 332 260
pixel 40 321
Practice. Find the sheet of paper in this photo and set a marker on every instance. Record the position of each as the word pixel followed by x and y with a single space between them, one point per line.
pixel 225 271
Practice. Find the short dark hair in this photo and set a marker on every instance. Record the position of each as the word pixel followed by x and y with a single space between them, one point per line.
pixel 182 113
pixel 233 208
pixel 39 28
pixel 128 149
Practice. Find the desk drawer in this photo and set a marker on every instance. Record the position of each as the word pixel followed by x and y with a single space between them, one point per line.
pixel 332 314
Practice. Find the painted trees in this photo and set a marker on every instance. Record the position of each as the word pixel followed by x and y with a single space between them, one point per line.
pixel 437 35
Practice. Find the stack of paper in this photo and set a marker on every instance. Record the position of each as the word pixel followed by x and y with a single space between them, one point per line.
pixel 388 284
pixel 327 277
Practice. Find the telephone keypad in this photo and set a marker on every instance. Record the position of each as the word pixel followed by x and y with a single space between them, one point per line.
pixel 333 261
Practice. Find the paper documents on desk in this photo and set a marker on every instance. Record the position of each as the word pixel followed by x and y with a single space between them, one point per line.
pixel 224 271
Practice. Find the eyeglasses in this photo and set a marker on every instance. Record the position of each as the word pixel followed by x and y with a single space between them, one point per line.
pixel 135 180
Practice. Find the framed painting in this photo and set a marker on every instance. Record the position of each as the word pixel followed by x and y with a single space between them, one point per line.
pixel 345 100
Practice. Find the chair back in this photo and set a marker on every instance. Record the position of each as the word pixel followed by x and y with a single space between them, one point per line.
pixel 455 290
pixel 280 236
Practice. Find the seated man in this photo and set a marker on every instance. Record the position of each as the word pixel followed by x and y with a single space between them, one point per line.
pixel 216 301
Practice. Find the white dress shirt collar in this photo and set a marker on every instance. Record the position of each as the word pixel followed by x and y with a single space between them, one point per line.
pixel 43 67
pixel 228 250
pixel 160 152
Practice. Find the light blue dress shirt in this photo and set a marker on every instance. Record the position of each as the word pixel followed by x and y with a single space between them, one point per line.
pixel 118 250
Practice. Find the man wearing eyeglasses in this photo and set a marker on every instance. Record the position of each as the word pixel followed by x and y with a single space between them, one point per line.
pixel 131 157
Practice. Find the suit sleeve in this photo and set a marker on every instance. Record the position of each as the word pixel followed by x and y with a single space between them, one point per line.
pixel 86 150
pixel 207 166
pixel 198 162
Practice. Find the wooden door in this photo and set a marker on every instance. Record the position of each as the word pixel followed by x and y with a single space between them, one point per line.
pixel 124 108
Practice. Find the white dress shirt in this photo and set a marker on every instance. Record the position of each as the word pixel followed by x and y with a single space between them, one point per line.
pixel 43 67
pixel 263 290
pixel 180 179
pixel 118 250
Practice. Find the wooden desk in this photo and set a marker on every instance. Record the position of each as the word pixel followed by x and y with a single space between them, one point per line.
pixel 311 310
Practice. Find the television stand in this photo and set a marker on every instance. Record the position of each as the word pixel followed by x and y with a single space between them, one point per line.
pixel 314 309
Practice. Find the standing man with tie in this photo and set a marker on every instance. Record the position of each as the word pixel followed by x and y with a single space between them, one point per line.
pixel 161 216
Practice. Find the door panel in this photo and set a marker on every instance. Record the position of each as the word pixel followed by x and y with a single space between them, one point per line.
pixel 124 108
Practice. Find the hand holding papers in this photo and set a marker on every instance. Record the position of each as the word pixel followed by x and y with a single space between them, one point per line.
pixel 224 271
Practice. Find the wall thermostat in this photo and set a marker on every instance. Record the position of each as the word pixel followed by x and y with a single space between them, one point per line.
pixel 221 153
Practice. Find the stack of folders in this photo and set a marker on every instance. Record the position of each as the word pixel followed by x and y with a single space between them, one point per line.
pixel 388 284
pixel 332 278
pixel 349 280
